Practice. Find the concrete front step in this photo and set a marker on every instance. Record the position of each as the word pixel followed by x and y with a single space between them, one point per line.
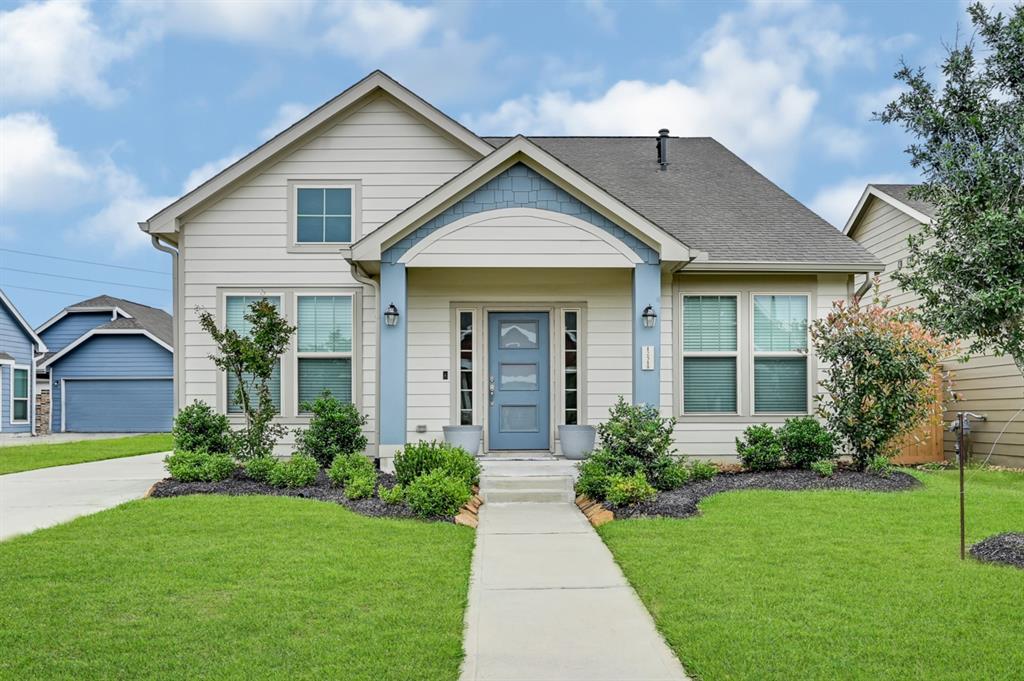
pixel 526 495
pixel 559 482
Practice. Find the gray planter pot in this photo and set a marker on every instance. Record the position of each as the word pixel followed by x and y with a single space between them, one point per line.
pixel 577 441
pixel 467 437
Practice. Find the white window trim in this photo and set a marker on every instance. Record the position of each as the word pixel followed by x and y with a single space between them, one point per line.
pixel 755 354
pixel 223 399
pixel 580 354
pixel 351 354
pixel 344 247
pixel 28 399
pixel 684 353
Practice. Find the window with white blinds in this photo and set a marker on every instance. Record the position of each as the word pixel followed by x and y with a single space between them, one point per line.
pixel 324 358
pixel 780 354
pixel 710 354
pixel 235 308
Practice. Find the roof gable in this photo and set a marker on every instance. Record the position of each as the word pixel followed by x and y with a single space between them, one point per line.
pixel 897 196
pixel 166 221
pixel 520 151
pixel 153 320
pixel 6 303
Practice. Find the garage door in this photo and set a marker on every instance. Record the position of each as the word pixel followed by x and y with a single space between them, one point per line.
pixel 118 406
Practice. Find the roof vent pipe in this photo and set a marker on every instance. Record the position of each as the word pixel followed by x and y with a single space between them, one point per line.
pixel 663 148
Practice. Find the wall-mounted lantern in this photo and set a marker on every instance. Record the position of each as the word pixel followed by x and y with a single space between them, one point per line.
pixel 649 316
pixel 391 315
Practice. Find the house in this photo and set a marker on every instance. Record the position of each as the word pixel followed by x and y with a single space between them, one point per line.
pixel 19 345
pixel 882 220
pixel 109 367
pixel 437 277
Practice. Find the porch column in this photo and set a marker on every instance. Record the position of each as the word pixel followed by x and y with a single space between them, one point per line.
pixel 646 376
pixel 393 359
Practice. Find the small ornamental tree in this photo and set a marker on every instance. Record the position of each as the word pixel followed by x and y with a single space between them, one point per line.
pixel 251 360
pixel 880 368
pixel 967 264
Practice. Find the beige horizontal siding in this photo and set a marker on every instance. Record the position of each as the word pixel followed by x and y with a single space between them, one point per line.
pixel 240 241
pixel 987 384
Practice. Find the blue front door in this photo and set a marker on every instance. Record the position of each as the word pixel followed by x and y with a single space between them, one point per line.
pixel 518 380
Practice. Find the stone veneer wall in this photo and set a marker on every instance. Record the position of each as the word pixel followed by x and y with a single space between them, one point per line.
pixel 43 412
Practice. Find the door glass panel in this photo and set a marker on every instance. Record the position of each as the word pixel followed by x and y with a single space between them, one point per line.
pixel 518 419
pixel 518 335
pixel 518 376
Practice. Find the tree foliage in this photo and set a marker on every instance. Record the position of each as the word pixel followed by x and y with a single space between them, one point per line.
pixel 880 369
pixel 967 265
pixel 251 360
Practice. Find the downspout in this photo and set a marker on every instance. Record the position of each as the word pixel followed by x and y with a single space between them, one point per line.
pixel 863 288
pixel 175 318
pixel 360 275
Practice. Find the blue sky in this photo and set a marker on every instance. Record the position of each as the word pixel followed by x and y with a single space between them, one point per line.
pixel 108 111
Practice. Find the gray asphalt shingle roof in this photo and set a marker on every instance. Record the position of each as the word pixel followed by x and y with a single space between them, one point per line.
pixel 144 317
pixel 708 198
pixel 901 192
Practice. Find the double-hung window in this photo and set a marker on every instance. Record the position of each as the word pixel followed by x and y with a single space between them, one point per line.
pixel 780 354
pixel 19 404
pixel 236 308
pixel 324 360
pixel 323 215
pixel 710 354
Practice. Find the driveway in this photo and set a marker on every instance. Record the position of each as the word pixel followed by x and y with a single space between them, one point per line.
pixel 49 496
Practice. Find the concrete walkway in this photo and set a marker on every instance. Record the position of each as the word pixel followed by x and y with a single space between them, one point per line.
pixel 548 603
pixel 20 439
pixel 49 496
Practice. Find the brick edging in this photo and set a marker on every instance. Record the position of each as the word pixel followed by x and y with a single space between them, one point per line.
pixel 595 511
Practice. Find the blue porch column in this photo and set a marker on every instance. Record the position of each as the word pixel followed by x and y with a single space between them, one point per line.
pixel 646 291
pixel 393 356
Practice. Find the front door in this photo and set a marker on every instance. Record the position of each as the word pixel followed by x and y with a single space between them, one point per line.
pixel 518 380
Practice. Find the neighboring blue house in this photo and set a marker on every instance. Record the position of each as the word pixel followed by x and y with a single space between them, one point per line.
pixel 109 367
pixel 19 346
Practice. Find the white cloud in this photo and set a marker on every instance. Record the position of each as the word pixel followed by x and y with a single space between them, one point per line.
pixel 602 14
pixel 836 202
pixel 287 114
pixel 869 103
pixel 750 88
pixel 270 22
pixel 36 172
pixel 370 30
pixel 208 170
pixel 116 225
pixel 52 49
pixel 840 142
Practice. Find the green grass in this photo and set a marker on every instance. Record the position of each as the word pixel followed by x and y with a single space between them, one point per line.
pixel 234 588
pixel 830 585
pixel 17 458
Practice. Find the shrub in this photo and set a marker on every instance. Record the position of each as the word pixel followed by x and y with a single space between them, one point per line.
pixel 636 431
pixel 361 485
pixel 437 494
pixel 759 448
pixel 391 495
pixel 879 465
pixel 805 441
pixel 198 428
pixel 880 366
pixel 335 428
pixel 299 471
pixel 419 458
pixel 262 469
pixel 668 474
pixel 188 466
pixel 824 467
pixel 592 480
pixel 701 470
pixel 626 490
pixel 348 466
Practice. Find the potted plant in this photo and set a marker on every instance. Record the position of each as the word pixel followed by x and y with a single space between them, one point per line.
pixel 577 441
pixel 467 437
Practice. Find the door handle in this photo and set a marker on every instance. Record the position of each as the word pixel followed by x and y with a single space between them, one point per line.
pixel 490 390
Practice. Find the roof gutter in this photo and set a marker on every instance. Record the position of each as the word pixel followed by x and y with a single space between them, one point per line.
pixel 176 357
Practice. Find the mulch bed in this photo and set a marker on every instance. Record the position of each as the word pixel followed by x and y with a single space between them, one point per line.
pixel 1006 548
pixel 239 485
pixel 682 502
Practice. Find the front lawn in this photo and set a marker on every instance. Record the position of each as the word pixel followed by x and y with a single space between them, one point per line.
pixel 834 584
pixel 235 587
pixel 17 458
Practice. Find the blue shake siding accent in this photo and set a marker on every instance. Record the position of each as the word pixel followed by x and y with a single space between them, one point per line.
pixel 69 329
pixel 123 355
pixel 520 187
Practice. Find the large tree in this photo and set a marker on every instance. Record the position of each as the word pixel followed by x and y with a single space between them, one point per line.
pixel 967 265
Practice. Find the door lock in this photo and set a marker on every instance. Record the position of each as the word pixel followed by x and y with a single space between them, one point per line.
pixel 491 390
